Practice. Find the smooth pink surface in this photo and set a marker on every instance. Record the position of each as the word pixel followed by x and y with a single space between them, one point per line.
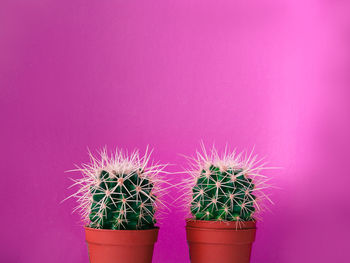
pixel 77 74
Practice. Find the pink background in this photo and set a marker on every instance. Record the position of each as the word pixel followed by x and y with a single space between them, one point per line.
pixel 77 74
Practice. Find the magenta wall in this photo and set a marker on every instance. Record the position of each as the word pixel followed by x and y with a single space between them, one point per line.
pixel 274 74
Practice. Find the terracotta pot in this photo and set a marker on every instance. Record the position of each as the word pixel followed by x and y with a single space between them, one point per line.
pixel 120 246
pixel 216 241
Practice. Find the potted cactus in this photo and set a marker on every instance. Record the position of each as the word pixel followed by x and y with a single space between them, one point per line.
pixel 225 192
pixel 118 196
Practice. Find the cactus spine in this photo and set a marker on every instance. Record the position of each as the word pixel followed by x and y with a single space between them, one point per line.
pixel 227 187
pixel 119 191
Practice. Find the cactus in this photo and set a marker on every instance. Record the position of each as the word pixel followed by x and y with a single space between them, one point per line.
pixel 119 192
pixel 227 187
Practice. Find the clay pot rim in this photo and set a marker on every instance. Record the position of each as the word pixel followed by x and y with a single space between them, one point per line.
pixel 212 224
pixel 219 230
pixel 223 221
pixel 121 230
pixel 226 222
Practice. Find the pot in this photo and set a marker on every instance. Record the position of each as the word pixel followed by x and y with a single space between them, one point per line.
pixel 120 246
pixel 220 241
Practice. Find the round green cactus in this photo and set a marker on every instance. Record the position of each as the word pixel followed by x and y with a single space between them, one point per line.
pixel 119 192
pixel 122 201
pixel 226 187
pixel 223 194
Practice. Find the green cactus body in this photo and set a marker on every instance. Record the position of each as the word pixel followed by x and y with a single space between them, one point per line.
pixel 119 191
pixel 122 201
pixel 223 194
